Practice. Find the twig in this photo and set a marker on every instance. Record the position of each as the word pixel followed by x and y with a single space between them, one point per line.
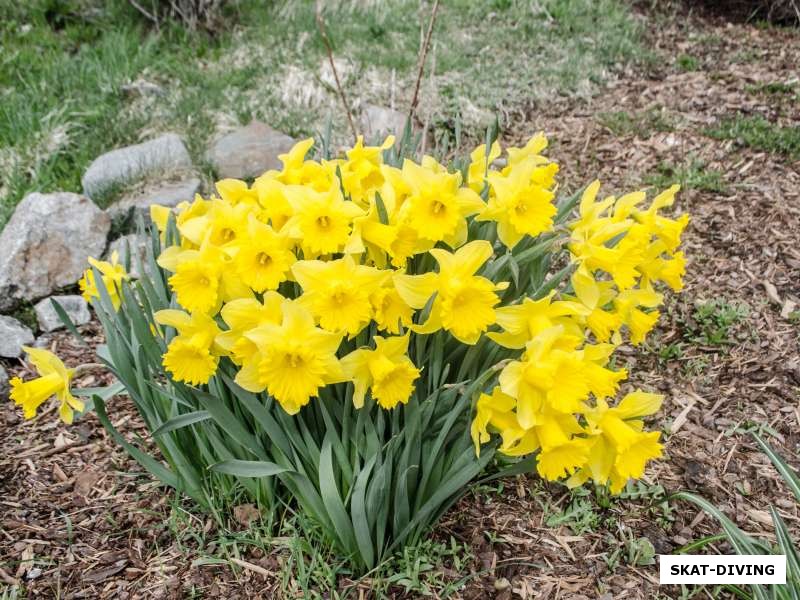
pixel 324 34
pixel 145 13
pixel 251 567
pixel 423 53
pixel 8 578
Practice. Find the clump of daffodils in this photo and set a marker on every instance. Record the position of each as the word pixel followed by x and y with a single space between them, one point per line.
pixel 347 274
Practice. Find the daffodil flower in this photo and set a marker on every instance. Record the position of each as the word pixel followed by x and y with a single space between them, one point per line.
pixel 338 292
pixel 191 356
pixel 386 371
pixel 112 275
pixel 54 380
pixel 464 303
pixel 295 359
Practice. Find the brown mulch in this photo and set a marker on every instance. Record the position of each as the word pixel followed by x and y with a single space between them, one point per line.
pixel 78 518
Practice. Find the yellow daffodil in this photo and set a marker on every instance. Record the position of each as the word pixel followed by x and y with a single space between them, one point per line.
pixel 619 448
pixel 191 356
pixel 596 296
pixel 295 359
pixel 338 292
pixel 479 165
pixel 203 278
pixel 531 151
pixel 464 303
pixel 519 203
pixel 437 207
pixel 391 311
pixel 629 304
pixel 54 380
pixel 243 315
pixel 263 259
pixel 386 371
pixel 522 322
pixel 322 221
pixel 112 275
pixel 312 277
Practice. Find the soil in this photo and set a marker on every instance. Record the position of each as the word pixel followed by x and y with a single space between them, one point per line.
pixel 79 519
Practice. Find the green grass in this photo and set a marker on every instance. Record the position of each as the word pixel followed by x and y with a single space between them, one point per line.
pixel 758 133
pixel 772 88
pixel 692 174
pixel 63 66
pixel 685 63
pixel 716 322
pixel 641 124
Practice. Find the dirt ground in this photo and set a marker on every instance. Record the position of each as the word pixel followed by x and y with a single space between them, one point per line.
pixel 79 520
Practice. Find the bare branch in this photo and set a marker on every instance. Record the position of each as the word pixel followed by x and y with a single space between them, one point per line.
pixel 324 34
pixel 423 53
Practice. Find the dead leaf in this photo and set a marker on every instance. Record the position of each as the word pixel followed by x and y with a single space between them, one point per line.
pixel 84 482
pixel 245 513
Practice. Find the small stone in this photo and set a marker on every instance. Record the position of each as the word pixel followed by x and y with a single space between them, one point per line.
pixel 127 209
pixel 501 584
pixel 4 387
pixel 142 87
pixel 75 306
pixel 164 154
pixel 249 151
pixel 46 243
pixel 127 247
pixel 378 121
pixel 13 336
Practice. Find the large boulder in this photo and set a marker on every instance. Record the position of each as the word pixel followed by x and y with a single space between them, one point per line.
pixel 378 121
pixel 45 245
pixel 75 306
pixel 13 336
pixel 125 211
pixel 109 171
pixel 249 151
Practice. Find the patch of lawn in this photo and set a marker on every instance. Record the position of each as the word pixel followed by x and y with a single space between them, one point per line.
pixel 773 88
pixel 685 62
pixel 642 124
pixel 63 67
pixel 756 132
pixel 692 174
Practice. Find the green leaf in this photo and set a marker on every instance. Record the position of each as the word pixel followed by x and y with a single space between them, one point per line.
pixel 331 498
pixel 359 513
pixel 565 206
pixel 105 392
pixel 181 421
pixel 789 475
pixel 383 215
pixel 64 318
pixel 248 468
pixel 157 469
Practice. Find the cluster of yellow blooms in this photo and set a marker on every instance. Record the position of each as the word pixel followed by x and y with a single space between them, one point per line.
pixel 276 275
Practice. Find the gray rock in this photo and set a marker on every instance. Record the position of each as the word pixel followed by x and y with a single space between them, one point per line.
pixel 142 87
pixel 378 121
pixel 46 243
pixel 75 306
pixel 4 386
pixel 13 335
pixel 125 211
pixel 249 151
pixel 131 244
pixel 163 154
